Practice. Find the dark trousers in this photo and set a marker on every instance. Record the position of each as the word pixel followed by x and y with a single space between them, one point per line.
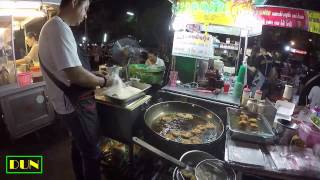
pixel 85 153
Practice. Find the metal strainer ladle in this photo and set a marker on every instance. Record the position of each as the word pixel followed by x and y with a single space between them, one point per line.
pixel 213 169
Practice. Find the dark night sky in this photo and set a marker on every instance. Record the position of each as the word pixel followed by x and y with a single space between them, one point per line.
pixel 151 21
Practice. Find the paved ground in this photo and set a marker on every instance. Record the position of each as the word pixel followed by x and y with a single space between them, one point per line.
pixel 51 142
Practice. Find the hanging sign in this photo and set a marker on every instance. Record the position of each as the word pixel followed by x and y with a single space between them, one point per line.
pixel 314 22
pixel 193 45
pixel 282 17
pixel 218 12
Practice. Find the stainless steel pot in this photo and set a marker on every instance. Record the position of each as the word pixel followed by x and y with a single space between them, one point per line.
pixel 182 107
pixel 174 148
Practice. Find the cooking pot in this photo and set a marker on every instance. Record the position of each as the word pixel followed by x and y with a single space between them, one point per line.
pixel 212 144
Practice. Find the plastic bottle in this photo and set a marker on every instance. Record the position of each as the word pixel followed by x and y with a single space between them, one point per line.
pixel 242 72
pixel 245 96
pixel 258 95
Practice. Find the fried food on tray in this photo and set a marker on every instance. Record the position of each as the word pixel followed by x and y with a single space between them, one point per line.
pixel 254 126
pixel 243 124
pixel 244 116
pixel 253 120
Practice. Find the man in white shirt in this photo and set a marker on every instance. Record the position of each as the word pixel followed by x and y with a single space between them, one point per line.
pixel 153 59
pixel 314 96
pixel 61 68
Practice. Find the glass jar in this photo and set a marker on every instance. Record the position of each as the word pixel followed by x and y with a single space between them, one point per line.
pixel 260 108
pixel 252 105
pixel 258 95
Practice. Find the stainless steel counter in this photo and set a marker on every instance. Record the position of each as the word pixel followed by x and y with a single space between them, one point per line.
pixel 226 99
pixel 255 159
pixel 25 109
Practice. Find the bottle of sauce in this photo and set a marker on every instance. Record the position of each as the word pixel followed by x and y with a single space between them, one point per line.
pixel 258 95
pixel 245 96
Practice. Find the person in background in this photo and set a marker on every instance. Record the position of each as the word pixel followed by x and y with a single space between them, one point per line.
pixel 153 59
pixel 260 66
pixel 32 57
pixel 314 96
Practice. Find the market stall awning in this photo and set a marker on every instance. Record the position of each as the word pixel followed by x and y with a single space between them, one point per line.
pixel 243 14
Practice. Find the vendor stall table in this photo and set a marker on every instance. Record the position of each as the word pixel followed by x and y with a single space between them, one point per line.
pixel 25 109
pixel 255 159
pixel 222 98
pixel 118 122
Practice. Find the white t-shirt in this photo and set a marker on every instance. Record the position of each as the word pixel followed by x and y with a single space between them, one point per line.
pixel 58 51
pixel 160 62
pixel 314 96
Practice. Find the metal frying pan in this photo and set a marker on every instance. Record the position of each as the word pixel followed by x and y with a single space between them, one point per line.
pixel 170 107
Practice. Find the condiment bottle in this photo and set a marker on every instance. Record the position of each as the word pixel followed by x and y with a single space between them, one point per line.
pixel 245 96
pixel 252 105
pixel 258 95
pixel 261 106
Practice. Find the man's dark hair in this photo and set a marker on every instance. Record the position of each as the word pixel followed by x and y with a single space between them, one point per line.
pixel 153 51
pixel 64 3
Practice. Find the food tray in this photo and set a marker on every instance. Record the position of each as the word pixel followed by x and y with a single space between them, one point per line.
pixel 142 86
pixel 263 135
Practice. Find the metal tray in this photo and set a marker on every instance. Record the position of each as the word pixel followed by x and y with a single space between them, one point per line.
pixel 142 86
pixel 264 135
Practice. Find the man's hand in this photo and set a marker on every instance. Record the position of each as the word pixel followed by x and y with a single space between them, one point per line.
pixel 82 77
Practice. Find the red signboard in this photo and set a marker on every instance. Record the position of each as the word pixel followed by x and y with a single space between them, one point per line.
pixel 282 17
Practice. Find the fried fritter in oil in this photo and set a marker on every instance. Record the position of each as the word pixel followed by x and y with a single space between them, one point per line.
pixel 186 134
pixel 185 116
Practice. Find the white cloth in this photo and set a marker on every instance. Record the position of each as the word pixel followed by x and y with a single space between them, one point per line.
pixel 58 51
pixel 160 62
pixel 314 96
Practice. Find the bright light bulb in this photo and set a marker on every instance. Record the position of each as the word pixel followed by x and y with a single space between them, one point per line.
pixel 21 13
pixel 130 13
pixel 287 48
pixel 20 5
pixel 292 43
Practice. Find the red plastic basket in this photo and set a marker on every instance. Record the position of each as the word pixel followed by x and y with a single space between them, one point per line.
pixel 24 79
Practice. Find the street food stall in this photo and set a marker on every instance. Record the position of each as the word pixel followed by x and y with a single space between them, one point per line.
pixel 260 137
pixel 24 104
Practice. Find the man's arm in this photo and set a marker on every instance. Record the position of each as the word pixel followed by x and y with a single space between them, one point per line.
pixel 81 77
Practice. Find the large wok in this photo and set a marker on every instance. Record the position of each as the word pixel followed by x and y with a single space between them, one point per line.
pixel 212 145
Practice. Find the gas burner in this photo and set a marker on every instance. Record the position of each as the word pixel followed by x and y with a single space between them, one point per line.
pixel 146 166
